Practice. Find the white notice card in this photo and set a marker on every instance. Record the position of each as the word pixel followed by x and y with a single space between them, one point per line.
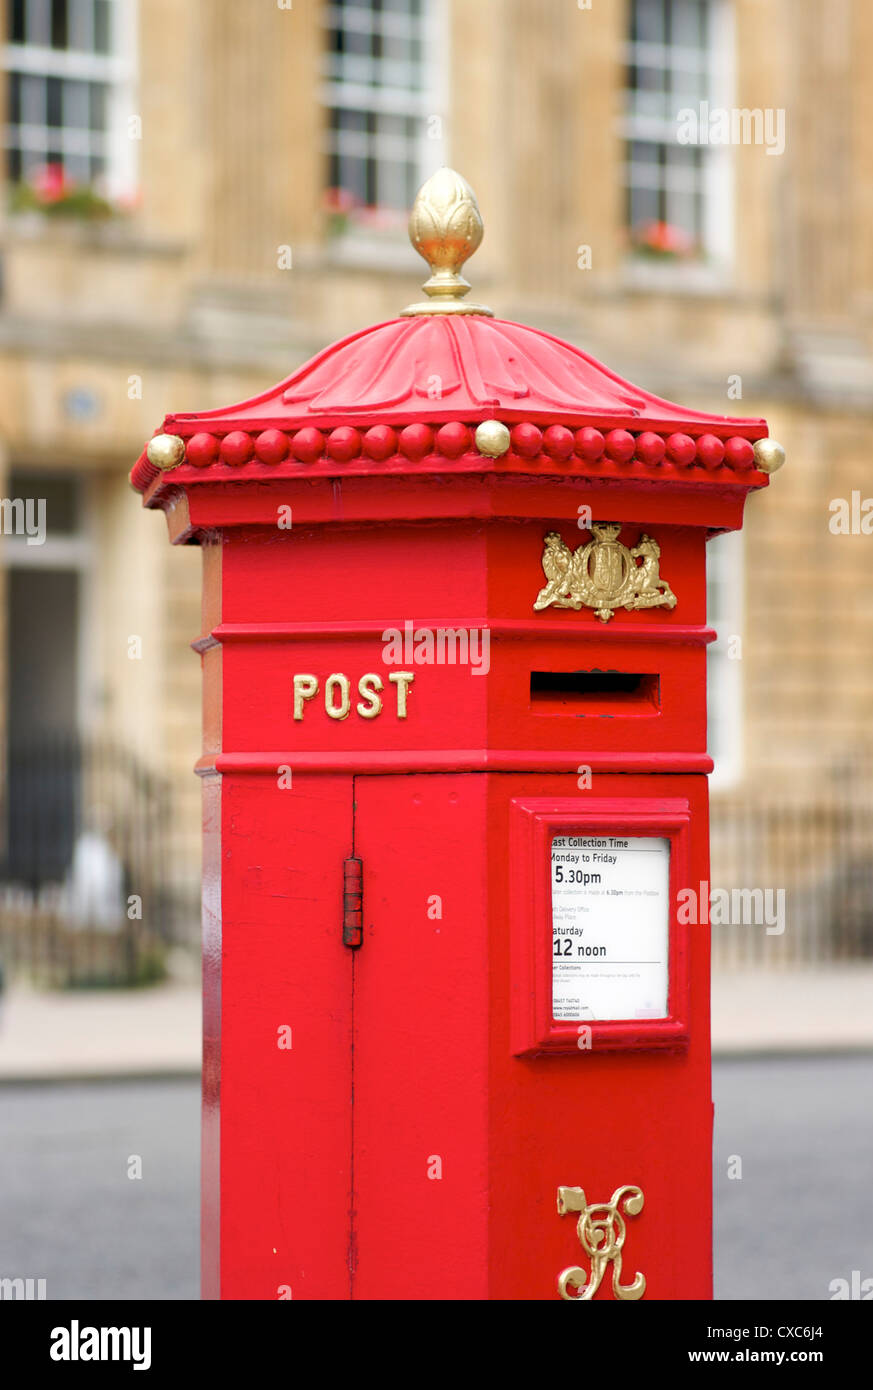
pixel 610 927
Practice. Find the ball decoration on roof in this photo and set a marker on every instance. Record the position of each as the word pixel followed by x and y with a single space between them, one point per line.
pixel 307 445
pixel 769 455
pixel 271 446
pixel 236 448
pixel 343 444
pixel 202 450
pixel 492 438
pixel 165 451
pixel 650 447
pixel 380 442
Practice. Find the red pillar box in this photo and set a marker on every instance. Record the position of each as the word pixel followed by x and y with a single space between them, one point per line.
pixel 456 1030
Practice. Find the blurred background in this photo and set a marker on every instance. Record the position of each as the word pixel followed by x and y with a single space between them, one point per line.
pixel 200 196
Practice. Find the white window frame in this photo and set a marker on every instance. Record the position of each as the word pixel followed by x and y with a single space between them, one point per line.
pixel 116 71
pixel 725 602
pixel 351 83
pixel 716 179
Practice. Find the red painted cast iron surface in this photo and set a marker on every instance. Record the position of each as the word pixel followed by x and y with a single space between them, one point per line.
pixel 378 1122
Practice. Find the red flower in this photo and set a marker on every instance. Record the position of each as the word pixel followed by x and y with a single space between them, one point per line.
pixel 664 239
pixel 50 183
pixel 339 200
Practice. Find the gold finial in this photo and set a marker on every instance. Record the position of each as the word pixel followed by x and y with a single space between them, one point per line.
pixel 445 227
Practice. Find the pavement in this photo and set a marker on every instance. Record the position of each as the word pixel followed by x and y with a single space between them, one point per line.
pixel 155 1032
pixel 817 1009
pixel 80 1035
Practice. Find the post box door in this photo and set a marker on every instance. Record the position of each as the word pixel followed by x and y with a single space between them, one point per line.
pixel 421 1040
pixel 278 1002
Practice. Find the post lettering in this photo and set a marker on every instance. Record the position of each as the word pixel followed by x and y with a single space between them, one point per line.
pixel 337 693
pixel 337 682
pixel 305 686
pixel 368 686
pixel 403 680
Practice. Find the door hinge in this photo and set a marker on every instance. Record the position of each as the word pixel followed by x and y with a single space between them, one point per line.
pixel 353 902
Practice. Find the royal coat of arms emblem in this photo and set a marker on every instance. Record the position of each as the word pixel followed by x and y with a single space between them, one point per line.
pixel 604 574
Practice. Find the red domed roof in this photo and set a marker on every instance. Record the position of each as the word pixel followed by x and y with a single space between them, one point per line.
pixel 457 367
pixel 407 396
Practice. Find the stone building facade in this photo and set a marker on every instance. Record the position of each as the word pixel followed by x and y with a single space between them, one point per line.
pixel 257 158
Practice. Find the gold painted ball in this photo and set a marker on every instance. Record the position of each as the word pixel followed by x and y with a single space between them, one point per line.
pixel 166 451
pixel 492 438
pixel 769 455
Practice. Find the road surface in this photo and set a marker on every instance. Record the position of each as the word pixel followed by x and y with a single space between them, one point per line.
pixel 796 1132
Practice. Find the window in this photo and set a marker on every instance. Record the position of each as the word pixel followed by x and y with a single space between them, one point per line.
pixel 724 602
pixel 48 544
pixel 384 134
pixel 678 194
pixel 70 68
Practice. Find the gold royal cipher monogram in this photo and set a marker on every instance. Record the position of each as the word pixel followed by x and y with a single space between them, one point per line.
pixel 604 574
pixel 601 1231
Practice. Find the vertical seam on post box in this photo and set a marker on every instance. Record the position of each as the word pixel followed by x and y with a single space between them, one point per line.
pixel 352 1232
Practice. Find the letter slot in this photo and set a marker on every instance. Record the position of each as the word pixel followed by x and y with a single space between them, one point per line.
pixel 592 693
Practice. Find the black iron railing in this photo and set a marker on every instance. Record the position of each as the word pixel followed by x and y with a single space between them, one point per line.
pixel 815 844
pixel 84 895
